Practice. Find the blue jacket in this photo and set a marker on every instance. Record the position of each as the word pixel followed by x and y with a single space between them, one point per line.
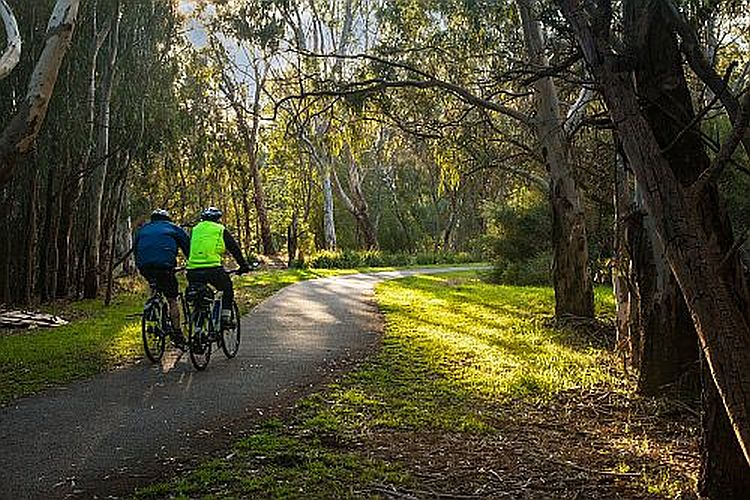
pixel 156 244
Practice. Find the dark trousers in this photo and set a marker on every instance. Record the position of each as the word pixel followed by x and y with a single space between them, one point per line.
pixel 216 277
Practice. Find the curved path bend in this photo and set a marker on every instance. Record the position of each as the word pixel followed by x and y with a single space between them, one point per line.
pixel 103 436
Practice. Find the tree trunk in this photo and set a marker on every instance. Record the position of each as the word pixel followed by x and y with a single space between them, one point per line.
pixel 292 240
pixel 329 225
pixel 356 204
pixel 96 180
pixel 668 346
pixel 668 107
pixel 724 474
pixel 621 268
pixel 26 282
pixel 18 136
pixel 717 302
pixel 665 346
pixel 574 294
pixel 250 137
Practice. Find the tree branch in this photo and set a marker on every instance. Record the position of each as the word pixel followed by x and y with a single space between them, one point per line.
pixel 702 67
pixel 428 81
pixel 577 111
pixel 728 148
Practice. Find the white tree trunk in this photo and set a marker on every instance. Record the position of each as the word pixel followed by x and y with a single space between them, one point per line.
pixel 19 135
pixel 573 289
pixel 329 225
pixel 95 188
pixel 12 53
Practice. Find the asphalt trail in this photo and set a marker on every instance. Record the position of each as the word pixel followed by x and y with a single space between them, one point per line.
pixel 103 436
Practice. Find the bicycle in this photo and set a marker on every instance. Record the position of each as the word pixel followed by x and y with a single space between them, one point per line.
pixel 205 325
pixel 156 324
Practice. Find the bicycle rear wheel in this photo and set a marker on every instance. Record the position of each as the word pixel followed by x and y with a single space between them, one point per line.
pixel 230 338
pixel 200 342
pixel 152 331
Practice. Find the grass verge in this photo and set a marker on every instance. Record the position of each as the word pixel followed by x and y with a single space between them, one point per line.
pixel 472 395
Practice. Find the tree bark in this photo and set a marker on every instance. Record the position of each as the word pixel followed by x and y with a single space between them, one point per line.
pixel 18 136
pixel 724 474
pixel 664 343
pixel 324 171
pixel 574 294
pixel 292 240
pixel 667 348
pixel 329 225
pixel 98 176
pixel 668 106
pixel 717 304
pixel 621 269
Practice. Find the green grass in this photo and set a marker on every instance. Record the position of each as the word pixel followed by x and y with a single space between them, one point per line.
pixel 100 338
pixel 454 347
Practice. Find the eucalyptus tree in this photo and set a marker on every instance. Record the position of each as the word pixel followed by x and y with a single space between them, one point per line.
pixel 44 255
pixel 12 53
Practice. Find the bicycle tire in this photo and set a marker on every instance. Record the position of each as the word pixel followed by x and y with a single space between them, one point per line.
pixel 230 339
pixel 199 339
pixel 153 336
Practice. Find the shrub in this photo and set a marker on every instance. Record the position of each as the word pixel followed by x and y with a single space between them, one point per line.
pixel 519 241
pixel 534 271
pixel 348 259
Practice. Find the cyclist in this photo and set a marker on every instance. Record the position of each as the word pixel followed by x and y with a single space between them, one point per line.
pixel 156 246
pixel 208 242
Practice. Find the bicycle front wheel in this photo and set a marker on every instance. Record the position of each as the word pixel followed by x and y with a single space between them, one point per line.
pixel 152 333
pixel 200 342
pixel 230 338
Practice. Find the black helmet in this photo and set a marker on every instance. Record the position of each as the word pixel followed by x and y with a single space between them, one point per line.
pixel 211 213
pixel 160 214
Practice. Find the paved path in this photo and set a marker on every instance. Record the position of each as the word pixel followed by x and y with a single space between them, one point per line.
pixel 102 436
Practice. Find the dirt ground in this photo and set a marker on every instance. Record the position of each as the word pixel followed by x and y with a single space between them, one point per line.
pixel 579 446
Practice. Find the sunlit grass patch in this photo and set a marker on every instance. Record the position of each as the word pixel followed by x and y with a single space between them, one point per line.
pixel 487 339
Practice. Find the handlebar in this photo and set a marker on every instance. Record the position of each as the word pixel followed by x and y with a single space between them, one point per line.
pixel 253 266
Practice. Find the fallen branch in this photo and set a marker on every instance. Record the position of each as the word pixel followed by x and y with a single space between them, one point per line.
pixel 26 319
pixel 570 464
